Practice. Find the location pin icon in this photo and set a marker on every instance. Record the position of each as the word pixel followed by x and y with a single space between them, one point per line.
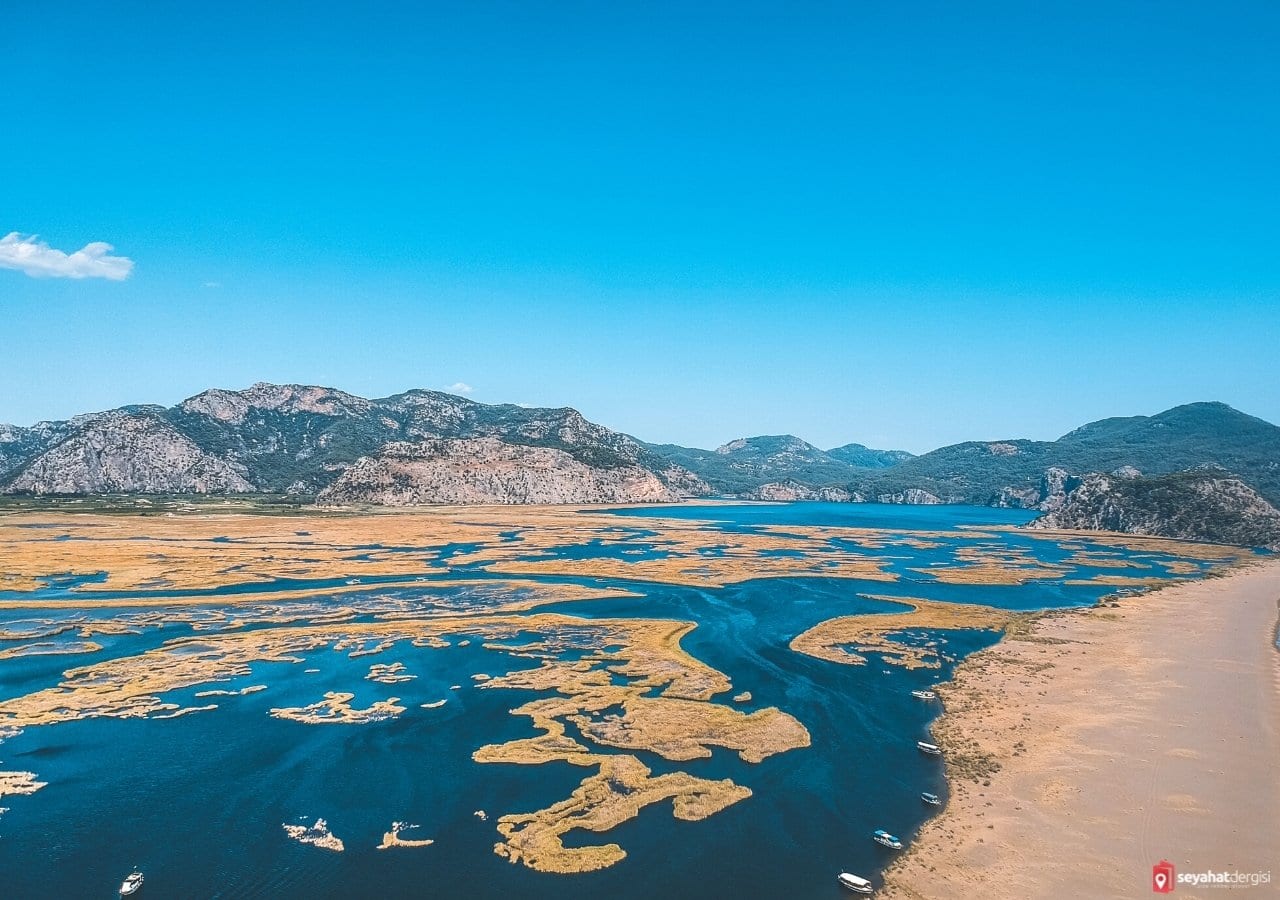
pixel 1161 878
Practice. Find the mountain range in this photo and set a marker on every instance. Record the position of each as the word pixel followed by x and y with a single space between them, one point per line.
pixel 746 465
pixel 1011 472
pixel 426 446
pixel 302 440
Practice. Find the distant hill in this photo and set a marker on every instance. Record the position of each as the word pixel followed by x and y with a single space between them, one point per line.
pixel 1198 506
pixel 1010 472
pixel 867 458
pixel 299 439
pixel 746 465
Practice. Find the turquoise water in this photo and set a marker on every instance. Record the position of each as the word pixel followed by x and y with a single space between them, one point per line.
pixel 198 802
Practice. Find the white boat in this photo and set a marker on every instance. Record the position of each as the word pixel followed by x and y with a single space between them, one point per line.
pixel 131 885
pixel 931 749
pixel 931 799
pixel 924 695
pixel 885 839
pixel 855 884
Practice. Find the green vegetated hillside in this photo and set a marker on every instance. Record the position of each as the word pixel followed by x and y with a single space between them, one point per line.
pixel 1011 472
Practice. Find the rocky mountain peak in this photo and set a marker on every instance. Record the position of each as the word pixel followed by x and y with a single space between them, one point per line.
pixel 232 407
pixel 768 444
pixel 429 413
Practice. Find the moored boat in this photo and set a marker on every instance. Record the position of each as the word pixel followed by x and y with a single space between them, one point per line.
pixel 855 883
pixel 931 799
pixel 931 749
pixel 132 884
pixel 924 695
pixel 885 839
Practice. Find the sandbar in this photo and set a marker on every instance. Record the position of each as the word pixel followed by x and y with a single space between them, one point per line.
pixel 19 783
pixel 224 692
pixel 336 708
pixel 392 838
pixel 318 835
pixel 1096 743
pixel 846 639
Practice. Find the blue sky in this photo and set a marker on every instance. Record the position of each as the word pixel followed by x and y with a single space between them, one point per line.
pixel 905 224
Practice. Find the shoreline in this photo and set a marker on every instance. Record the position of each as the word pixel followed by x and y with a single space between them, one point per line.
pixel 1098 742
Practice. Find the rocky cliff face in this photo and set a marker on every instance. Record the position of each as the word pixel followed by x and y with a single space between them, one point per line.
pixel 787 491
pixel 16 446
pixel 1200 506
pixel 683 482
pixel 121 452
pixel 911 496
pixel 488 470
pixel 1047 496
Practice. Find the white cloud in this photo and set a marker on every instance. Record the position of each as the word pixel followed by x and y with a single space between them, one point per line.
pixel 459 387
pixel 212 284
pixel 36 258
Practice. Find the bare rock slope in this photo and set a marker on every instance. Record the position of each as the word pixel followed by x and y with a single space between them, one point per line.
pixel 1199 505
pixel 488 470
pixel 123 452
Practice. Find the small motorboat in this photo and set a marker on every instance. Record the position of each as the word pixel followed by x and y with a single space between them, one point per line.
pixel 885 839
pixel 931 799
pixel 855 884
pixel 931 749
pixel 132 884
pixel 924 695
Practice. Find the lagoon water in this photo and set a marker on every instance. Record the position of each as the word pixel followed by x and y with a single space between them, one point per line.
pixel 198 802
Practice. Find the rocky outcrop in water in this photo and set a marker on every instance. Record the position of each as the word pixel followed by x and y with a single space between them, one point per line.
pixel 1198 506
pixel 487 470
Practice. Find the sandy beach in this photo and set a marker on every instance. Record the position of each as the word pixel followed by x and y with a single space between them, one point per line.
pixel 1123 736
